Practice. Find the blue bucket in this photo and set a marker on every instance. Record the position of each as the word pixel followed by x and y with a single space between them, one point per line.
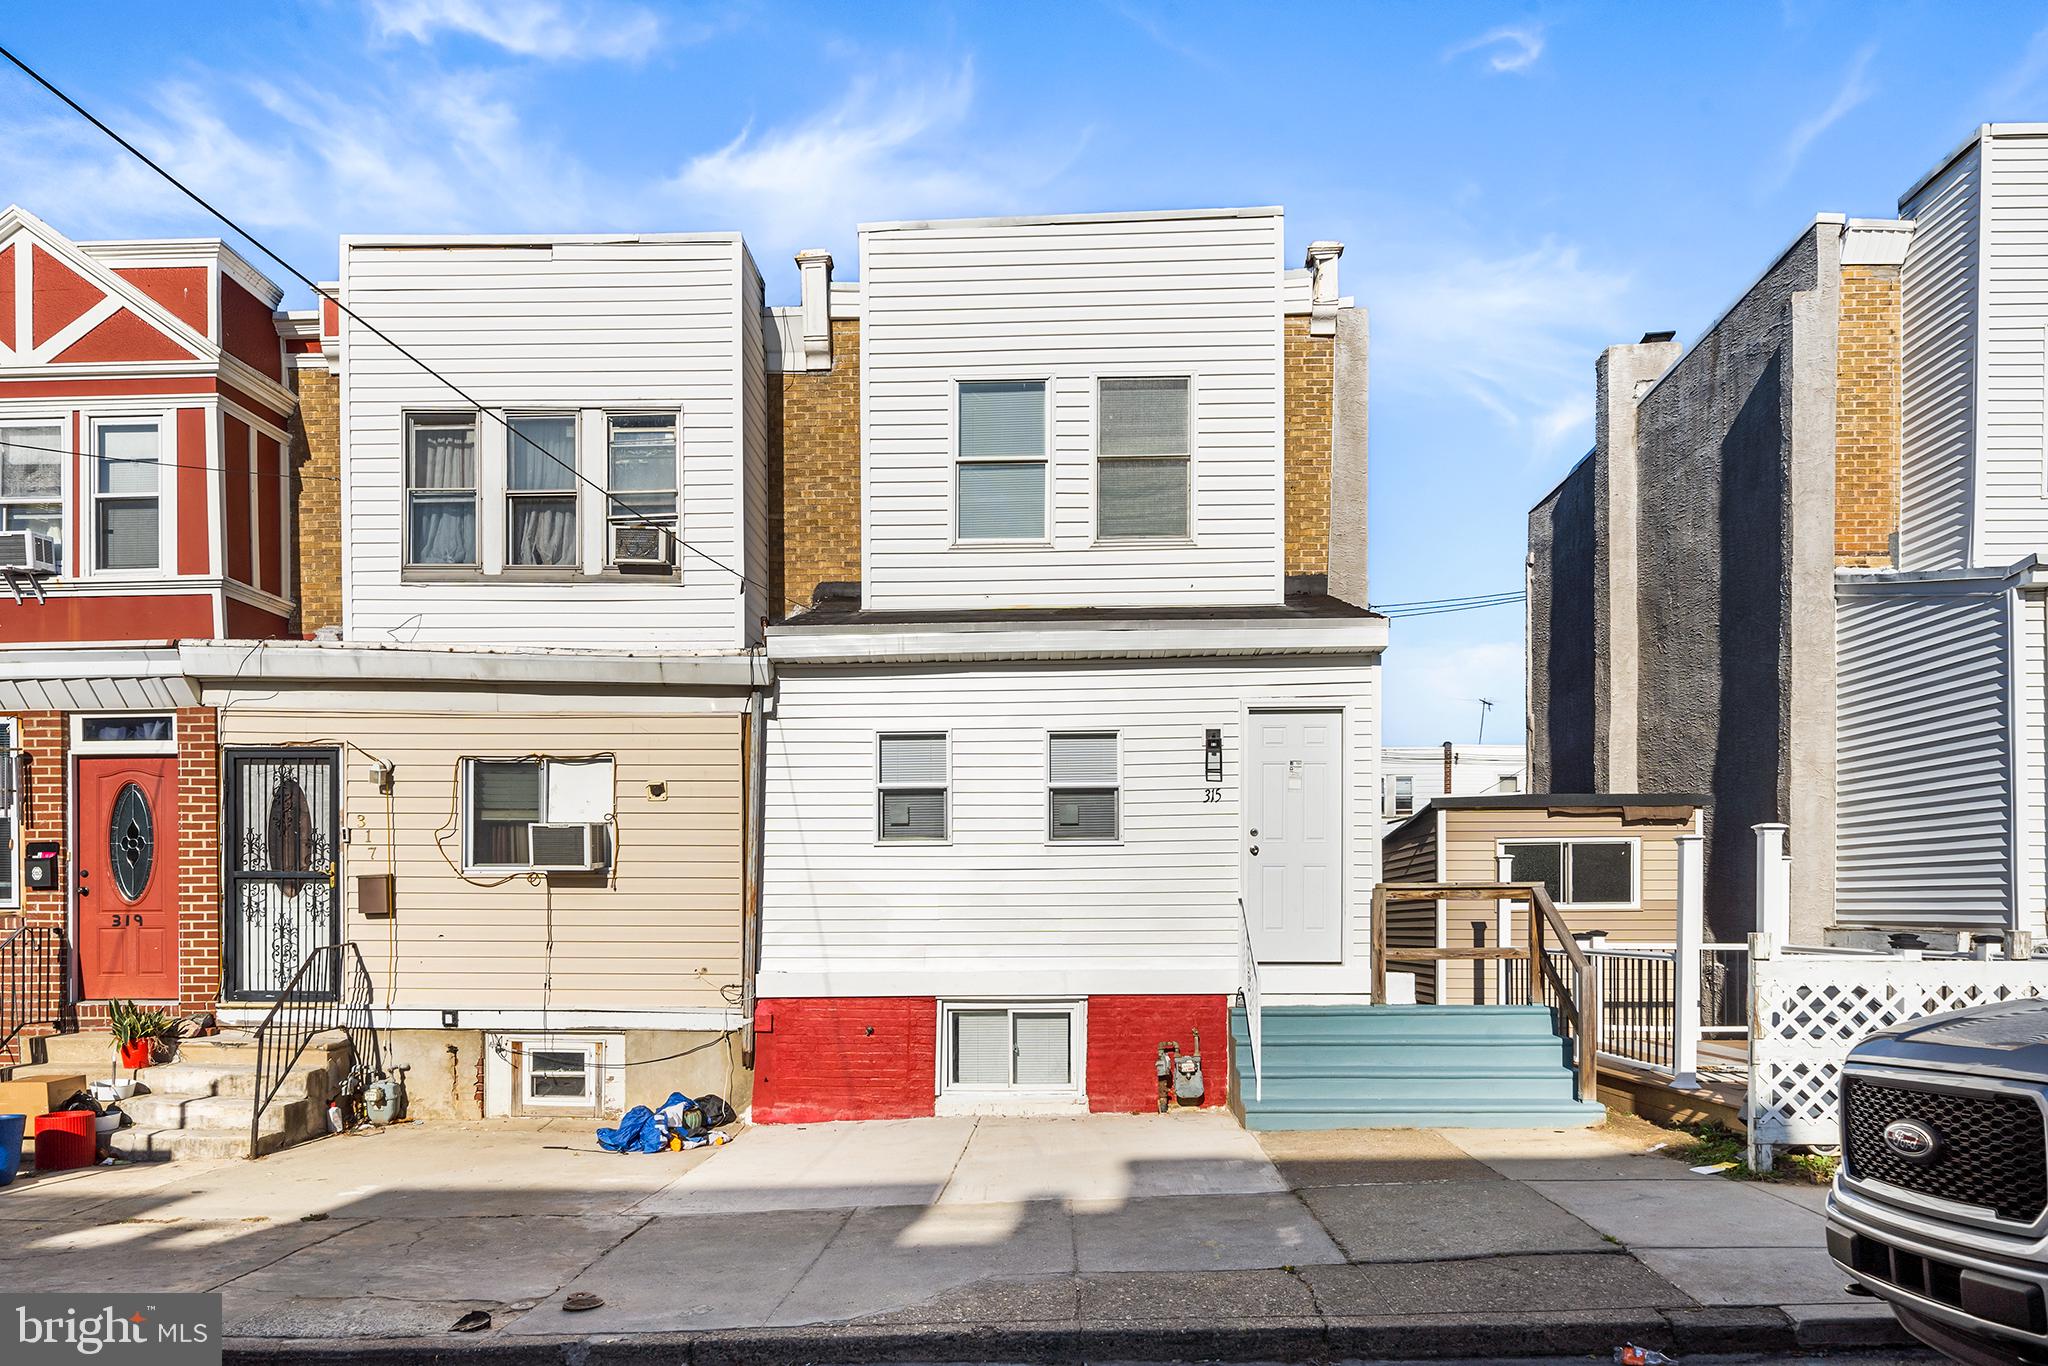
pixel 11 1127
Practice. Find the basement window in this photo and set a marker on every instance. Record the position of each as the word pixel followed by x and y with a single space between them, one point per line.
pixel 562 1074
pixel 1580 874
pixel 1025 1047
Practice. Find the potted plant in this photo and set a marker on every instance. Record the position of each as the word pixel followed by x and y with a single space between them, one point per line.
pixel 136 1030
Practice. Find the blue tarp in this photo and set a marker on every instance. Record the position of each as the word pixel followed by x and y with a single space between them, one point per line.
pixel 641 1131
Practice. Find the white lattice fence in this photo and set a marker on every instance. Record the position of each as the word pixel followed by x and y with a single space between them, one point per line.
pixel 1807 1010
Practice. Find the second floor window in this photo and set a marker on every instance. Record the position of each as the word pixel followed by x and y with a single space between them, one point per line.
pixel 31 480
pixel 125 495
pixel 642 468
pixel 1404 796
pixel 540 491
pixel 440 490
pixel 910 787
pixel 1141 474
pixel 1001 478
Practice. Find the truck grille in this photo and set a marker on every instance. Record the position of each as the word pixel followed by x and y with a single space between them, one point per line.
pixel 1992 1150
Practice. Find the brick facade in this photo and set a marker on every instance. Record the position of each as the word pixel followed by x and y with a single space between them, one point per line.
pixel 44 737
pixel 1311 383
pixel 854 1057
pixel 198 858
pixel 316 456
pixel 1867 417
pixel 1124 1034
pixel 814 475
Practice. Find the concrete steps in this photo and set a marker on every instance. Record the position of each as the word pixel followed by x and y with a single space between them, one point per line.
pixel 1340 1067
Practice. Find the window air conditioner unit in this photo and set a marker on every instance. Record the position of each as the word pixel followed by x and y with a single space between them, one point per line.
pixel 565 846
pixel 641 546
pixel 25 552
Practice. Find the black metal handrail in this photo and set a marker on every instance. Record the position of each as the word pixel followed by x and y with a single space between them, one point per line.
pixel 31 976
pixel 331 992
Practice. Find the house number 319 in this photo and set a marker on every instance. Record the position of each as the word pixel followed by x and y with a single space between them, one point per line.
pixel 127 920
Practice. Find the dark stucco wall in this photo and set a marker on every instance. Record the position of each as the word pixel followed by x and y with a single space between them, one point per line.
pixel 1714 586
pixel 1562 605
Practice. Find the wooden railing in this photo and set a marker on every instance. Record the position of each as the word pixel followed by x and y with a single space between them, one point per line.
pixel 1574 1000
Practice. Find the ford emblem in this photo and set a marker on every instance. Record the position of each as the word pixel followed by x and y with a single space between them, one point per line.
pixel 1912 1141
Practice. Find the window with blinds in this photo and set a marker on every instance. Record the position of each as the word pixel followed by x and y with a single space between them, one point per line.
pixel 540 491
pixel 440 490
pixel 505 796
pixel 1003 1048
pixel 1082 786
pixel 126 457
pixel 1000 482
pixel 1141 472
pixel 642 464
pixel 911 782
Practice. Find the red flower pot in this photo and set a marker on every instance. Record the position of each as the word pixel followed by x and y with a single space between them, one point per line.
pixel 137 1054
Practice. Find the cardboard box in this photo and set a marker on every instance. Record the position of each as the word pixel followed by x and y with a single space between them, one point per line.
pixel 33 1096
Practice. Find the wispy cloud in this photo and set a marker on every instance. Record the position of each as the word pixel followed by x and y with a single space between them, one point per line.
pixel 889 148
pixel 2020 84
pixel 1167 33
pixel 1515 333
pixel 1856 87
pixel 560 30
pixel 1511 47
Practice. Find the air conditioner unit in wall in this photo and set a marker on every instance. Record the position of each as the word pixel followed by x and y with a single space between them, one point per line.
pixel 27 553
pixel 566 846
pixel 643 547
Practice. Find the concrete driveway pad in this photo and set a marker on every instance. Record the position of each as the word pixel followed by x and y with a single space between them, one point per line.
pixel 1221 1233
pixel 1709 1213
pixel 1392 1223
pixel 895 1257
pixel 706 1271
pixel 1109 1157
pixel 821 1166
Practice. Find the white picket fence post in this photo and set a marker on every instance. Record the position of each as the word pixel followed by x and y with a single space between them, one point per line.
pixel 1773 884
pixel 1692 934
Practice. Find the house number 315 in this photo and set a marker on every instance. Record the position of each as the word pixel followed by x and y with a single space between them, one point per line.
pixel 1212 794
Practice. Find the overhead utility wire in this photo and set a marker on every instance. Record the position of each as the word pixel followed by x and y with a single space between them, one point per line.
pixel 378 332
pixel 1440 602
pixel 8 443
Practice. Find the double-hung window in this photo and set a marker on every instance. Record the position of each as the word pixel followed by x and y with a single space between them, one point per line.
pixel 540 491
pixel 1579 873
pixel 440 489
pixel 911 780
pixel 641 468
pixel 1141 469
pixel 1082 786
pixel 506 796
pixel 1404 796
pixel 126 503
pixel 1000 484
pixel 31 479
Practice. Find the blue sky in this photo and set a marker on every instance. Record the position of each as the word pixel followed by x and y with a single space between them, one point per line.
pixel 1517 185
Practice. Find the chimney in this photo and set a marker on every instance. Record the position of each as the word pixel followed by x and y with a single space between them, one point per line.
pixel 1323 295
pixel 1448 761
pixel 814 270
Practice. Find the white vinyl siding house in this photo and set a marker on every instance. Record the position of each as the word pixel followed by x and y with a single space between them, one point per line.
pixel 1938 334
pixel 558 335
pixel 1061 306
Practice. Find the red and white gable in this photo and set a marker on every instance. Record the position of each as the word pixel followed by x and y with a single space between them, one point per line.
pixel 143 426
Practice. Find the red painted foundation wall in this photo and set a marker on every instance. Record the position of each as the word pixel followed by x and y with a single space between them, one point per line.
pixel 858 1057
pixel 1124 1034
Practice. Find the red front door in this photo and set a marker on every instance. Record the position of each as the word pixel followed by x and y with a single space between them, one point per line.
pixel 127 864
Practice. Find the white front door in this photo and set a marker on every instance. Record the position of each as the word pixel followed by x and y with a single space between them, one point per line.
pixel 1294 845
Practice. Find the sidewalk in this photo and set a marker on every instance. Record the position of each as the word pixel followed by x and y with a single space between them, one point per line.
pixel 1106 1236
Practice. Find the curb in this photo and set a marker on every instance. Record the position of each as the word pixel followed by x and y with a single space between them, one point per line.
pixel 1482 1336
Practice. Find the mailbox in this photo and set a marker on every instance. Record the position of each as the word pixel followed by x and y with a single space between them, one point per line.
pixel 40 875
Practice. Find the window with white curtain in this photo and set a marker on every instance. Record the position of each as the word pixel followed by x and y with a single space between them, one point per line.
pixel 1141 471
pixel 1001 473
pixel 641 460
pixel 911 781
pixel 1082 786
pixel 540 490
pixel 1010 1048
pixel 31 478
pixel 126 501
pixel 440 489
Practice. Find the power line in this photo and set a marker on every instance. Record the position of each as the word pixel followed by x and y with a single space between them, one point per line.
pixel 378 332
pixel 1439 602
pixel 8 443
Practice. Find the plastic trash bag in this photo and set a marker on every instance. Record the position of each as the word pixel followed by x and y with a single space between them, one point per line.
pixel 641 1131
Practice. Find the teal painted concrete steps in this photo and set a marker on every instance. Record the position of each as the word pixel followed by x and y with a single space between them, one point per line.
pixel 1364 1067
